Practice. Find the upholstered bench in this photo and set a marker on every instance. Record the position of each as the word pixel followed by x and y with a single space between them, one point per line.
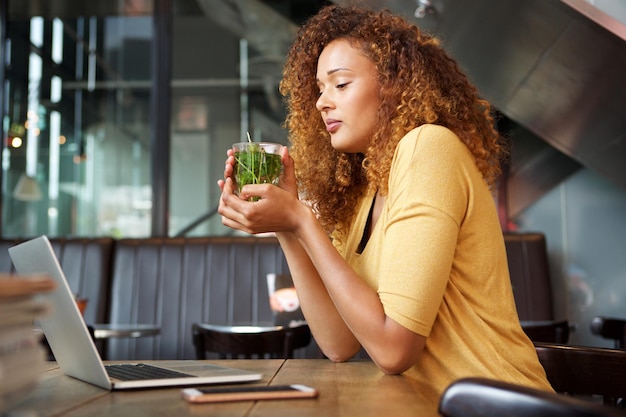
pixel 174 282
pixel 87 266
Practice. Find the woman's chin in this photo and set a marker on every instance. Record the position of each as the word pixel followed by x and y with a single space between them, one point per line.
pixel 343 145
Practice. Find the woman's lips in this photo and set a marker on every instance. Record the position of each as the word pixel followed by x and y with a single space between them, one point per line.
pixel 332 125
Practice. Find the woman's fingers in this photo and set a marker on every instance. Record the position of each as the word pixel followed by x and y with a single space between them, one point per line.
pixel 230 164
pixel 288 178
pixel 228 168
pixel 269 210
pixel 230 207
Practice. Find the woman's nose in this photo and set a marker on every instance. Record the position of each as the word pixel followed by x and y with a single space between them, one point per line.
pixel 322 102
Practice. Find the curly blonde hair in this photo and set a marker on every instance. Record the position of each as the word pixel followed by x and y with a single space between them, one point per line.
pixel 419 83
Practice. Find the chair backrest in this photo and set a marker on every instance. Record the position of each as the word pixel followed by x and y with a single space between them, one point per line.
pixel 610 328
pixel 235 342
pixel 585 371
pixel 527 257
pixel 547 331
pixel 481 397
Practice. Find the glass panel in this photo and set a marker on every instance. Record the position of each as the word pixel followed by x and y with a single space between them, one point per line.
pixel 77 156
pixel 227 65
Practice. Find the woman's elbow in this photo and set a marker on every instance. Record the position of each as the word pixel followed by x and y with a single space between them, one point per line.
pixel 339 355
pixel 395 364
pixel 392 369
pixel 338 358
pixel 398 354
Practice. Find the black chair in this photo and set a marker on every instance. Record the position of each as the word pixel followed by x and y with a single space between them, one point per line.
pixel 586 372
pixel 610 328
pixel 234 342
pixel 481 397
pixel 547 331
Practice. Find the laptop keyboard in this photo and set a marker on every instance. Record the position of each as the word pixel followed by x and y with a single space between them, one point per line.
pixel 133 372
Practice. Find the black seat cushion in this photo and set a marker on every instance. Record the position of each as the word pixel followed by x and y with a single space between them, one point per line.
pixel 481 397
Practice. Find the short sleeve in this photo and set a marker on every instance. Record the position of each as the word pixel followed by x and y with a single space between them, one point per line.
pixel 426 203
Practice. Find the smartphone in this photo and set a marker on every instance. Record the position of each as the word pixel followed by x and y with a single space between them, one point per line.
pixel 247 393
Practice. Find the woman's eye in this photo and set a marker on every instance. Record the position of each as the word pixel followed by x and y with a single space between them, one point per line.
pixel 342 85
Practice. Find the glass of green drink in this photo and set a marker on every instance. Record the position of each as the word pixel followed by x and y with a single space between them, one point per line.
pixel 256 163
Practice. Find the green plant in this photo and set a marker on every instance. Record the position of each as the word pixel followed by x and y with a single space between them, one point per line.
pixel 256 166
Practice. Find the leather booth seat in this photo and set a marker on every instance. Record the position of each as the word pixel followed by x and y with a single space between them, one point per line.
pixel 175 282
pixel 168 282
pixel 86 263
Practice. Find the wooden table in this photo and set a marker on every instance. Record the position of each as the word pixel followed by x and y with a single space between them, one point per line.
pixel 346 389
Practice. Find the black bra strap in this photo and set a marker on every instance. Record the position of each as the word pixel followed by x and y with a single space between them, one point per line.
pixel 366 233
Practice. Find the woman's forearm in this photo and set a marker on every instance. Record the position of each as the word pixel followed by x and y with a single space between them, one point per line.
pixel 328 327
pixel 391 346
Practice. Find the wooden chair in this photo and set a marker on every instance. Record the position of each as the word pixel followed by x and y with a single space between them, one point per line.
pixel 233 342
pixel 585 371
pixel 547 331
pixel 481 397
pixel 610 328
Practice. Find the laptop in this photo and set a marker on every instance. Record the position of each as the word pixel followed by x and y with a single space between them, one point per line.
pixel 75 351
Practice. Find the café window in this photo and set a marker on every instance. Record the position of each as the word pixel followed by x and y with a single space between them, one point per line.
pixel 77 116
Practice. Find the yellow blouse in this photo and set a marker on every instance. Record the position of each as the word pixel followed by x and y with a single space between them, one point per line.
pixel 437 259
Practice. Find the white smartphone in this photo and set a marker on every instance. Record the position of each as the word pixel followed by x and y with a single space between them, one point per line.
pixel 247 393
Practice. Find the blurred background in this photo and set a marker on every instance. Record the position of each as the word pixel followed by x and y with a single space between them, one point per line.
pixel 117 115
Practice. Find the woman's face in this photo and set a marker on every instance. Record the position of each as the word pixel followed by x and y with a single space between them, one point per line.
pixel 348 100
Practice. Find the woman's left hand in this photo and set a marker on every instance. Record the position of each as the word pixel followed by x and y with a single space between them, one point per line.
pixel 273 212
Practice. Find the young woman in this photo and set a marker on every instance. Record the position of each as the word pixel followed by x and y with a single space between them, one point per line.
pixel 385 211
